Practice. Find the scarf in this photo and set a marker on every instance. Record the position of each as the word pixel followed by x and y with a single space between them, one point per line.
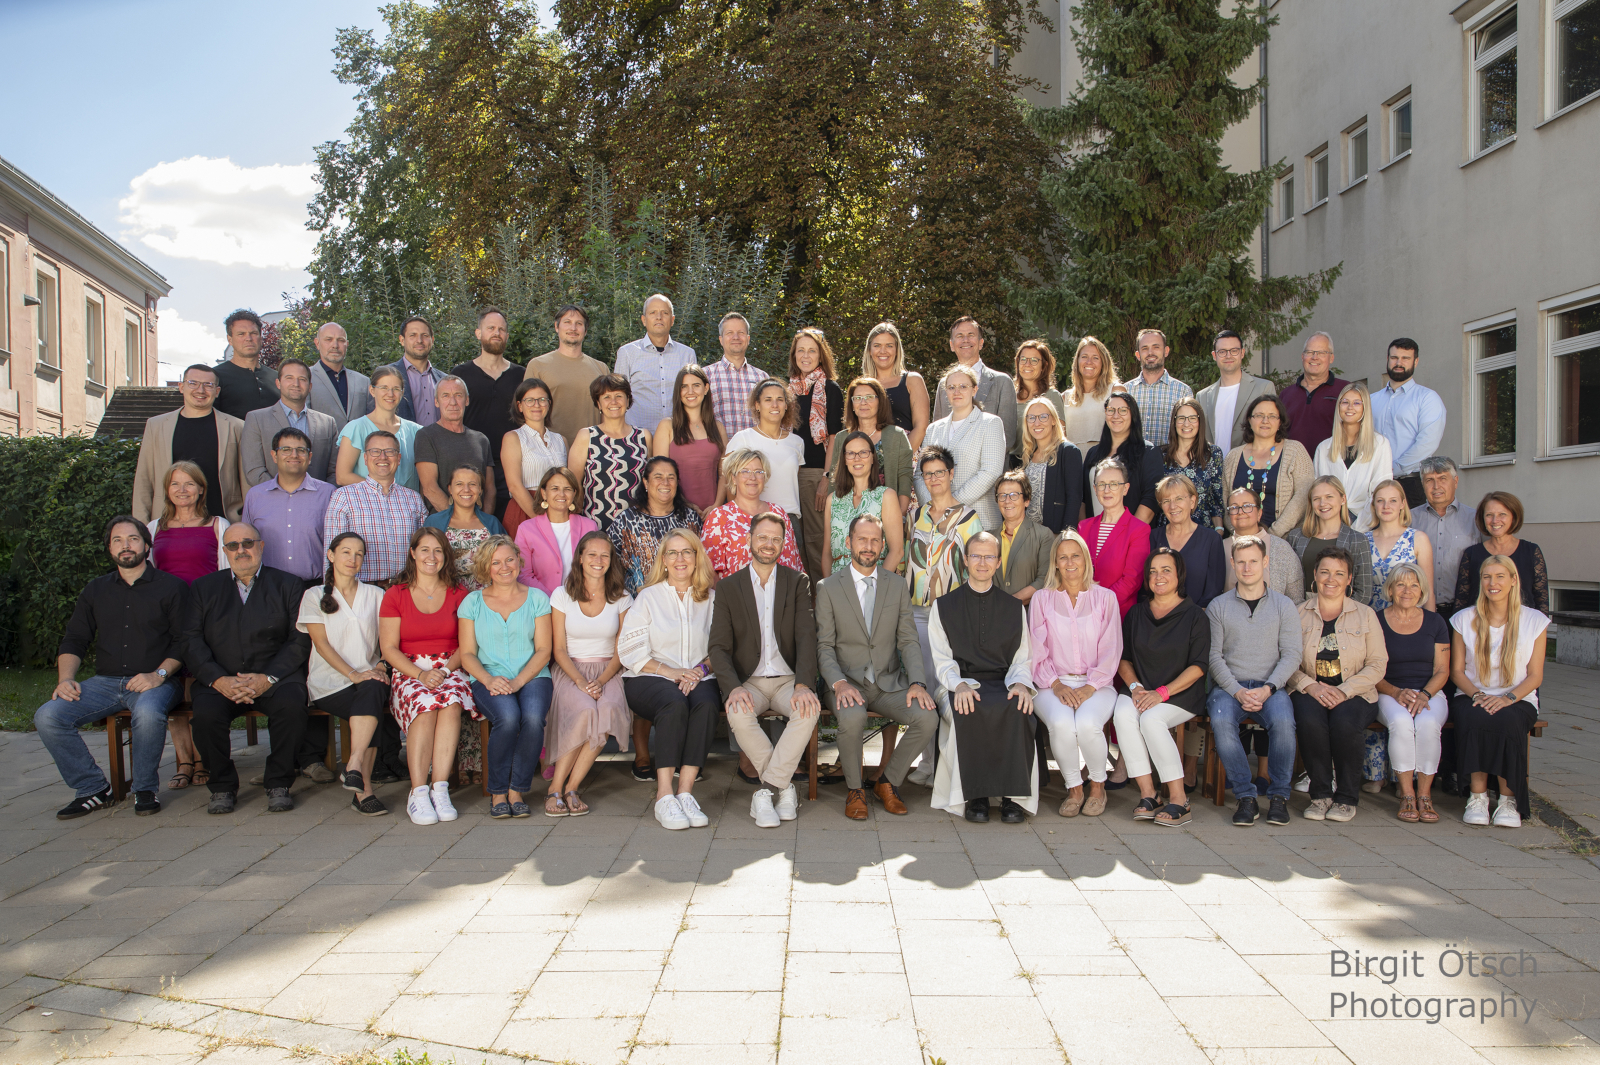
pixel 816 383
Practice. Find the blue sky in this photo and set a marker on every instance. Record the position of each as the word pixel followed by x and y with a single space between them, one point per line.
pixel 185 129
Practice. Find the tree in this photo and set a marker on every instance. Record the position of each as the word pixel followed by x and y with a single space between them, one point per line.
pixel 1156 229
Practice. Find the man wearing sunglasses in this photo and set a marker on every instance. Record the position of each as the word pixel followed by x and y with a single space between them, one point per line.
pixel 246 653
pixel 200 433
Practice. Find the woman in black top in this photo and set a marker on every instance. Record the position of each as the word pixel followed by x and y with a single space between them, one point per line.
pixel 1123 436
pixel 1499 519
pixel 1411 698
pixel 1166 644
pixel 884 358
pixel 819 407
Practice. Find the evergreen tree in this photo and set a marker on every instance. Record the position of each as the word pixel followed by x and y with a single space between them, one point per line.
pixel 1157 229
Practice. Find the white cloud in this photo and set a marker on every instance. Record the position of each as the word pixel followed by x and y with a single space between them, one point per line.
pixel 181 343
pixel 217 211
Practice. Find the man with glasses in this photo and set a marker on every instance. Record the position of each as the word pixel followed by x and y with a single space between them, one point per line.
pixel 1227 398
pixel 1411 417
pixel 196 432
pixel 261 428
pixel 732 376
pixel 246 652
pixel 1025 545
pixel 383 512
pixel 1311 400
pixel 448 444
pixel 1155 390
pixel 247 384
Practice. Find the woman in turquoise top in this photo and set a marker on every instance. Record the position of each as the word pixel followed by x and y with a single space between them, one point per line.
pixel 505 647
pixel 853 495
pixel 388 388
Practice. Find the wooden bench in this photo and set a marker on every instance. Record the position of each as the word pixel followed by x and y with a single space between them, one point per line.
pixel 119 741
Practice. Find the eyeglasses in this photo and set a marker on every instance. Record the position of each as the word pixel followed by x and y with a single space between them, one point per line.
pixel 758 474
pixel 868 398
pixel 204 386
pixel 857 454
pixel 928 475
pixel 240 545
pixel 1266 416
pixel 1243 508
pixel 1009 497
pixel 537 401
pixel 298 451
pixel 1038 419
pixel 983 558
pixel 680 553
pixel 1101 486
pixel 1187 419
pixel 382 453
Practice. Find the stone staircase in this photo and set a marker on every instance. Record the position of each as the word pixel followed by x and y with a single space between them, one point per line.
pixel 131 407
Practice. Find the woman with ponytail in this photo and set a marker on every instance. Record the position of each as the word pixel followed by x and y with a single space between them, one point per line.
pixel 346 675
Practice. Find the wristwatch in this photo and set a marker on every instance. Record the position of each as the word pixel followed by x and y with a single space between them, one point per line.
pixel 162 673
pixel 1272 689
pixel 271 679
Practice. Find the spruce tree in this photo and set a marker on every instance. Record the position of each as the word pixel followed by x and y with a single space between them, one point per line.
pixel 1156 229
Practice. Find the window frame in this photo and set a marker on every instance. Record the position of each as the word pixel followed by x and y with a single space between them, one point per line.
pixel 1363 131
pixel 1402 101
pixel 132 355
pixel 5 299
pixel 1554 351
pixel 1477 368
pixel 1319 163
pixel 1557 11
pixel 47 315
pixel 94 336
pixel 1283 199
pixel 1476 64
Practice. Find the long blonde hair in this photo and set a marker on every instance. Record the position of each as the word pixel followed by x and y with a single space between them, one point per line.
pixel 1053 581
pixel 700 584
pixel 1365 436
pixel 870 367
pixel 1058 435
pixel 195 475
pixel 1103 384
pixel 1309 526
pixel 1507 666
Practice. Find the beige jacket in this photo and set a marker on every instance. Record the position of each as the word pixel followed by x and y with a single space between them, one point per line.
pixel 1363 655
pixel 155 456
pixel 1295 474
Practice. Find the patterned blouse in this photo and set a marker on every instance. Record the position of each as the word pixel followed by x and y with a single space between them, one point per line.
pixel 727 539
pixel 936 558
pixel 611 471
pixel 845 511
pixel 465 544
pixel 1404 550
pixel 1207 478
pixel 637 536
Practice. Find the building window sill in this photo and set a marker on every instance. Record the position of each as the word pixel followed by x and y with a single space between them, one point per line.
pixel 46 371
pixel 1320 203
pixel 1567 110
pixel 95 388
pixel 1491 460
pixel 1362 180
pixel 1584 451
pixel 1280 225
pixel 1491 150
pixel 1403 155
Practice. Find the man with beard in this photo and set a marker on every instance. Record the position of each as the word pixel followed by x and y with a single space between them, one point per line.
pixel 1155 390
pixel 981 652
pixel 247 385
pixel 133 616
pixel 492 382
pixel 1411 416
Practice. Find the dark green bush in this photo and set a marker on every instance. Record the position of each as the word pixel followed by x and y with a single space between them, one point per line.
pixel 56 494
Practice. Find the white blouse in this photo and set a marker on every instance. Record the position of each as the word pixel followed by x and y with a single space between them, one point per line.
pixel 1530 624
pixel 1360 479
pixel 538 454
pixel 352 631
pixel 785 456
pixel 672 629
pixel 590 637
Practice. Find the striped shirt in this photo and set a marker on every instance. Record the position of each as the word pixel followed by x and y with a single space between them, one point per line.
pixel 1156 402
pixel 730 394
pixel 384 518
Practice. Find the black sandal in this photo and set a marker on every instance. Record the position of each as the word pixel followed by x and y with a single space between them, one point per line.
pixel 1146 810
pixel 180 779
pixel 1175 815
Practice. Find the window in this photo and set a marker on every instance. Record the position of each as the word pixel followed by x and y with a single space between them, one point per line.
pixel 1577 50
pixel 5 301
pixel 94 335
pixel 1317 168
pixel 1286 198
pixel 47 315
pixel 1400 127
pixel 1355 155
pixel 1575 352
pixel 1494 364
pixel 133 352
pixel 1494 81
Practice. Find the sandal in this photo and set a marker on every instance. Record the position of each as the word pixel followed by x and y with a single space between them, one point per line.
pixel 554 807
pixel 1408 809
pixel 1425 811
pixel 576 807
pixel 180 779
pixel 1146 810
pixel 1172 815
pixel 201 775
pixel 1072 804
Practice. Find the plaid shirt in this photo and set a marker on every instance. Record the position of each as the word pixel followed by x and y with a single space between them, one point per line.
pixel 1156 402
pixel 730 393
pixel 385 521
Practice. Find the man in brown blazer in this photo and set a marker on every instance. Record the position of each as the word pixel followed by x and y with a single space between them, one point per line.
pixel 203 435
pixel 764 652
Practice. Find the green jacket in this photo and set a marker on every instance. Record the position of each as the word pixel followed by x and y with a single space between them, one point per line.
pixel 896 450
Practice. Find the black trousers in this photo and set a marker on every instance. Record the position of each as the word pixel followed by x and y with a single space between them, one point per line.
pixel 1412 483
pixel 684 723
pixel 1333 744
pixel 370 698
pixel 285 707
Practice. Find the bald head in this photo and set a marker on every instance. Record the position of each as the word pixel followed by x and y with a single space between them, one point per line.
pixel 332 344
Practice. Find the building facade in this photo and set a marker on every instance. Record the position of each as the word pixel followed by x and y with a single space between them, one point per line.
pixel 77 313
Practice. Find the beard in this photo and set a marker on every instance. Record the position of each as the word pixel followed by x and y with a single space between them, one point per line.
pixel 865 559
pixel 494 346
pixel 123 562
pixel 1400 377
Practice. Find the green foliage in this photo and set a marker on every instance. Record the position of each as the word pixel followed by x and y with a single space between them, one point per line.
pixel 1157 230
pixel 56 494
pixel 22 691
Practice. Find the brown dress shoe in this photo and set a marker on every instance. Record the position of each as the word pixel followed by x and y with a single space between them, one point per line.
pixel 888 797
pixel 855 804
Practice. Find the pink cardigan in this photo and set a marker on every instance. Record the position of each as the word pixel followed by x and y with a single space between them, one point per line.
pixel 541 553
pixel 1120 567
pixel 1076 641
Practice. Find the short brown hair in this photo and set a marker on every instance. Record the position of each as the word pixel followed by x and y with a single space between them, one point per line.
pixel 963 320
pixel 1507 500
pixel 1018 478
pixel 609 382
pixel 1277 405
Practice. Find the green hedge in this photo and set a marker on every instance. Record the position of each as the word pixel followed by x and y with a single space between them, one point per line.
pixel 56 494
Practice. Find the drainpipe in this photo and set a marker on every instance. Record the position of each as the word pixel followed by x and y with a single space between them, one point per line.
pixel 1266 219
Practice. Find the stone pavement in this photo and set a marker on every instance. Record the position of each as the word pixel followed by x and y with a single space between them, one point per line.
pixel 326 937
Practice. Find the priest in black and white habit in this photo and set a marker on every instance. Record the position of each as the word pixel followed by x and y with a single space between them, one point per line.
pixel 979 638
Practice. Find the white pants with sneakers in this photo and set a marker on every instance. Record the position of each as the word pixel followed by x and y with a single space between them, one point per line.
pixel 1077 733
pixel 1147 737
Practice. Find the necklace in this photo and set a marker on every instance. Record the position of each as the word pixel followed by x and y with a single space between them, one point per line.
pixel 1272 456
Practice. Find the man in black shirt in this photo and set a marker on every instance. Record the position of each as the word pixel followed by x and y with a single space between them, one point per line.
pixel 246 384
pixel 133 617
pixel 492 382
pixel 244 649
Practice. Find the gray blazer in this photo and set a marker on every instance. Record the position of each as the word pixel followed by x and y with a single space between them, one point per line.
pixel 326 400
pixel 1250 389
pixel 1028 561
pixel 260 426
pixel 844 646
pixel 407 408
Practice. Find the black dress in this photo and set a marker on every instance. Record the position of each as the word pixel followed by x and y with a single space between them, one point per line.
pixel 1531 575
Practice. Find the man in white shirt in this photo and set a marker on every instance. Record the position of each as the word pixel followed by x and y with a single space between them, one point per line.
pixel 1226 400
pixel 651 365
pixel 996 393
pixel 1411 416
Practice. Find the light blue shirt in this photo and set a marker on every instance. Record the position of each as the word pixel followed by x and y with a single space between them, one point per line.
pixel 505 644
pixel 650 375
pixel 1412 417
pixel 297 420
pixel 357 432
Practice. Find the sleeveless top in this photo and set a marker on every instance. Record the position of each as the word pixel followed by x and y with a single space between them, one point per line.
pixel 538 456
pixel 186 553
pixel 611 471
pixel 900 403
pixel 1404 550
pixel 699 463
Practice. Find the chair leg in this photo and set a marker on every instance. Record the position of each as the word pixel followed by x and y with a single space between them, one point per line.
pixel 249 728
pixel 119 786
pixel 811 746
pixel 483 744
pixel 344 740
pixel 329 757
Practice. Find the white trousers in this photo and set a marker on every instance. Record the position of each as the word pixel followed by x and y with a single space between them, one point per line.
pixel 1147 737
pixel 1079 733
pixel 1414 743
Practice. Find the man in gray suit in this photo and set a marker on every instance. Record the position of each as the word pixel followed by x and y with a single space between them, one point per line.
pixel 1226 400
pixel 343 395
pixel 290 412
pixel 869 655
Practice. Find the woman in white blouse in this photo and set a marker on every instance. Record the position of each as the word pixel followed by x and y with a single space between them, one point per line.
pixel 667 673
pixel 978 442
pixel 1356 453
pixel 526 454
pixel 346 676
pixel 773 407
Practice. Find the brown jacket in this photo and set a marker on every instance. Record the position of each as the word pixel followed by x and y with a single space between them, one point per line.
pixel 155 456
pixel 1363 654
pixel 735 646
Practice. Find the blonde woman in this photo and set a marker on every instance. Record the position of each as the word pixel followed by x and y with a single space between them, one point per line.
pixel 665 652
pixel 1036 379
pixel 1328 524
pixel 977 441
pixel 1356 453
pixel 1411 694
pixel 1094 378
pixel 884 360
pixel 1053 465
pixel 388 389
pixel 1393 540
pixel 1497 663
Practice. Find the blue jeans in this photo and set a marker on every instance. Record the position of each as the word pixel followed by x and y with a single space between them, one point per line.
pixel 1277 715
pixel 58 722
pixel 516 733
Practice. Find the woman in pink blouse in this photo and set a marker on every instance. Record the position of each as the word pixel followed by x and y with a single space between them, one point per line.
pixel 1075 633
pixel 1118 542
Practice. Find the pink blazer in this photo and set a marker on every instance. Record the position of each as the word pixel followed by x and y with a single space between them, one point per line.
pixel 541 553
pixel 1085 641
pixel 1120 566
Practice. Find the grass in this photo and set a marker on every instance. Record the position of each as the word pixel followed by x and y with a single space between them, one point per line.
pixel 22 691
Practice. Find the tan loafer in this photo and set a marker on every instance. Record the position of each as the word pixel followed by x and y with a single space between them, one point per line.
pixel 1094 805
pixel 1071 805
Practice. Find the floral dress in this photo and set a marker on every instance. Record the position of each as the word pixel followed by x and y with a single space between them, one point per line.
pixel 1207 479
pixel 845 511
pixel 1404 550
pixel 727 540
pixel 936 559
pixel 611 471
pixel 465 544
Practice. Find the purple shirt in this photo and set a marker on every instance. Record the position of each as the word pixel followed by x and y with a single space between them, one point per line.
pixel 421 382
pixel 290 524
pixel 1311 413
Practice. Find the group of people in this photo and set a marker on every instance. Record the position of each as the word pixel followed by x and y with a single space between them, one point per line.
pixel 581 554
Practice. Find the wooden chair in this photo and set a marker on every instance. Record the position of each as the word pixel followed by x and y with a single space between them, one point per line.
pixel 119 741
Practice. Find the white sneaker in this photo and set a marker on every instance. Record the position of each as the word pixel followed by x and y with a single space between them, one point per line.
pixel 1505 813
pixel 441 801
pixel 1302 783
pixel 1477 812
pixel 420 807
pixel 669 814
pixel 761 809
pixel 1318 810
pixel 1341 811
pixel 788 804
pixel 692 811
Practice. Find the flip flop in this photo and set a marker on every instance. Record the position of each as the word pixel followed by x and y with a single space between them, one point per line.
pixel 180 779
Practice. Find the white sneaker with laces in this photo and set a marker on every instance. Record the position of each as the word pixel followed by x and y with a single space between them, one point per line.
pixel 420 807
pixel 692 811
pixel 669 814
pixel 441 801
pixel 1318 810
pixel 1341 811
pixel 761 809
pixel 1477 812
pixel 788 804
pixel 1505 813
pixel 1302 783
